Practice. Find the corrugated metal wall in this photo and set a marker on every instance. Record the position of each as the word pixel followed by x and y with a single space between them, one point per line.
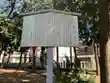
pixel 50 29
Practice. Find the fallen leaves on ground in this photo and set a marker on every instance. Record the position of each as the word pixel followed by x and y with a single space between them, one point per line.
pixel 20 76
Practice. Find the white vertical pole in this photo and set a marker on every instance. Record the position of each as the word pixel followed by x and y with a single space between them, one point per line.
pixel 50 65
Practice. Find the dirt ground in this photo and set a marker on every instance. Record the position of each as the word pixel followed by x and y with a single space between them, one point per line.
pixel 20 76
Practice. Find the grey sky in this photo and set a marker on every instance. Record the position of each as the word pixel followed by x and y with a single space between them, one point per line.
pixel 1 2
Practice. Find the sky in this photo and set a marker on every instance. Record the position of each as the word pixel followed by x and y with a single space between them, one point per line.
pixel 1 2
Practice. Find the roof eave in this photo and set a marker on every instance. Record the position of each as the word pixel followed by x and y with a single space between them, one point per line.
pixel 50 10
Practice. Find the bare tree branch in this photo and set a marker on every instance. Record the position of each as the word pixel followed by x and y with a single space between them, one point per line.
pixel 12 6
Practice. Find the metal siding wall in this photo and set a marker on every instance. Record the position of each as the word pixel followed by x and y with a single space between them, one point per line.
pixel 50 29
pixel 27 33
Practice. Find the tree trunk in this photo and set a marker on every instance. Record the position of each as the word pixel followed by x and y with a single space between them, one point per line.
pixel 0 48
pixel 96 60
pixel 20 59
pixel 12 7
pixel 42 60
pixel 108 59
pixel 104 32
pixel 76 60
pixel 57 49
pixel 3 60
pixel 8 59
pixel 34 59
pixel 74 49
pixel 2 64
pixel 25 57
pixel 71 57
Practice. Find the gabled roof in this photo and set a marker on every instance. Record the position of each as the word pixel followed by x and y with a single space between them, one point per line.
pixel 50 10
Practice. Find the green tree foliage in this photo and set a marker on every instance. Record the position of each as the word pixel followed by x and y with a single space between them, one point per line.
pixel 9 33
pixel 75 76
